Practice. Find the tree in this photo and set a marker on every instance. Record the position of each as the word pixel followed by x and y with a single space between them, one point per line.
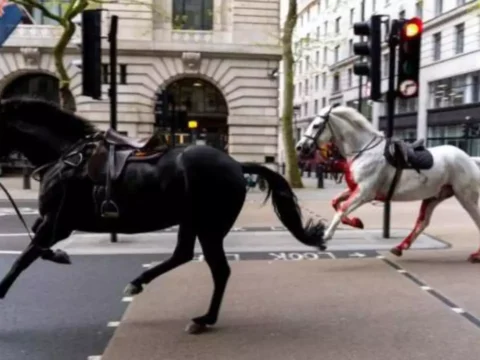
pixel 292 171
pixel 70 9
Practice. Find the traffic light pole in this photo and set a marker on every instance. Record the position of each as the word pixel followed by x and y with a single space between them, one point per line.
pixel 112 38
pixel 360 78
pixel 391 96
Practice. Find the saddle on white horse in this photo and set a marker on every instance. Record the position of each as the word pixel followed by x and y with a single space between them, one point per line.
pixel 402 155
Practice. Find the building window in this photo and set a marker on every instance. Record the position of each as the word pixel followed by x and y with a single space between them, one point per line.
pixel 461 2
pixel 325 55
pixel 325 28
pixel 419 8
pixel 307 63
pixel 476 88
pixel 192 14
pixel 438 7
pixel 324 102
pixel 337 53
pixel 337 25
pixel 437 46
pixel 317 58
pixel 449 92
pixel 374 6
pixel 459 38
pixel 318 33
pixel 324 81
pixel 352 16
pixel 350 78
pixel 315 107
pixel 406 105
pixel 336 82
pixel 56 8
pixel 317 82
pixel 305 109
pixel 350 47
pixel 306 87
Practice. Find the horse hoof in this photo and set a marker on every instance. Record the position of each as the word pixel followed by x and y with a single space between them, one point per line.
pixel 132 289
pixel 396 251
pixel 357 223
pixel 194 328
pixel 61 257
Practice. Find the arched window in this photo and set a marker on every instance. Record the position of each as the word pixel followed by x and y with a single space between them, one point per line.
pixel 41 86
pixel 192 14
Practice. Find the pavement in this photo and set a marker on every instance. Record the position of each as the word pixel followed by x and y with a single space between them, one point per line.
pixel 355 301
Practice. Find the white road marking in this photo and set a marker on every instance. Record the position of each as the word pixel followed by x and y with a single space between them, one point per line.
pixel 95 357
pixel 402 271
pixel 426 288
pixel 113 324
pixel 127 299
pixel 458 310
pixel 6 252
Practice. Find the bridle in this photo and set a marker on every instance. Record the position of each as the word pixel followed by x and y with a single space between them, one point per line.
pixel 326 123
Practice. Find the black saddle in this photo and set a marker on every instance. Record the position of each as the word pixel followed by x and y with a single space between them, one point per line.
pixel 402 155
pixel 110 157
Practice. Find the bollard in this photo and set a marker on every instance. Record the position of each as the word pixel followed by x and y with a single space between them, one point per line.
pixel 26 178
pixel 320 177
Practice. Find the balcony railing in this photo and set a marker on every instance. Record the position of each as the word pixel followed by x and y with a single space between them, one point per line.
pixel 36 36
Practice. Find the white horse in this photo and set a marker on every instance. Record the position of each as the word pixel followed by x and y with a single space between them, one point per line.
pixel 431 175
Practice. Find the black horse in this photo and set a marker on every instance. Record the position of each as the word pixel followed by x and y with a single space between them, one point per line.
pixel 199 188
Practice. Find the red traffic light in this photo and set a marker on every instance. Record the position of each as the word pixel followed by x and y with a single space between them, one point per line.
pixel 412 28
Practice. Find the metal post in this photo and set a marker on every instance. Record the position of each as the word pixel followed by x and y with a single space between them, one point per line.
pixel 360 78
pixel 173 121
pixel 320 177
pixel 391 96
pixel 26 176
pixel 112 38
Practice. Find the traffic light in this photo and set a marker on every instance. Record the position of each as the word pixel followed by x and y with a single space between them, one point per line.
pixel 372 49
pixel 92 54
pixel 409 58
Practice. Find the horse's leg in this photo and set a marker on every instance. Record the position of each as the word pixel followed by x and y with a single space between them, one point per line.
pixel 354 222
pixel 423 219
pixel 183 253
pixel 212 246
pixel 38 247
pixel 354 201
pixel 469 201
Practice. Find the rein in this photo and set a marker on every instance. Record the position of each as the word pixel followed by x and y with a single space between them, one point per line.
pixel 17 211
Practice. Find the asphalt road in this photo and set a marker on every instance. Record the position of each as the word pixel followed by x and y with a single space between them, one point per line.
pixel 61 312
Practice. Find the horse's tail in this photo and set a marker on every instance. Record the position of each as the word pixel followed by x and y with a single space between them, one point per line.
pixel 286 207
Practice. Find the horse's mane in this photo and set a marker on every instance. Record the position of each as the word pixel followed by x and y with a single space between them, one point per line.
pixel 356 118
pixel 49 115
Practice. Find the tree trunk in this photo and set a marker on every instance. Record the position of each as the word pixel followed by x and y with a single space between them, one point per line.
pixel 58 54
pixel 292 170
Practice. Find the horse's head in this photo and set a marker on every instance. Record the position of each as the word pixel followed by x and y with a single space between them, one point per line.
pixel 317 133
pixel 343 126
pixel 38 129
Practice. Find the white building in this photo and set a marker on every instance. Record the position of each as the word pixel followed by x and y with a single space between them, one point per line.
pixel 219 65
pixel 449 76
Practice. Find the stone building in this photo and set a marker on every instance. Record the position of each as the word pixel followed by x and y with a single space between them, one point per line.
pixel 217 58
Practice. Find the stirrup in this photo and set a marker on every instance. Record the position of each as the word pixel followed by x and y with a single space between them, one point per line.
pixel 109 209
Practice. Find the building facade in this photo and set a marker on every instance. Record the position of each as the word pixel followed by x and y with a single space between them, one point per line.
pixel 216 57
pixel 449 76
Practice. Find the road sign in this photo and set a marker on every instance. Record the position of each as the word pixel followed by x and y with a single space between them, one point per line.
pixel 192 124
pixel 408 88
pixel 10 16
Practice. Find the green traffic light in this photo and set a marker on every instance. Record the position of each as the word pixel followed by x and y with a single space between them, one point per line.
pixel 408 68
